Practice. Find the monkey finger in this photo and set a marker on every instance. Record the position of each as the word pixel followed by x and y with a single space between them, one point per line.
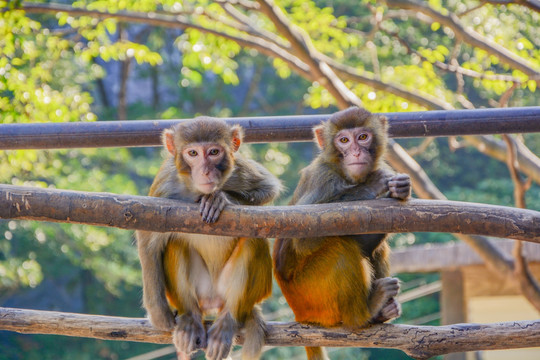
pixel 217 210
pixel 399 183
pixel 401 177
pixel 212 214
pixel 202 204
pixel 206 207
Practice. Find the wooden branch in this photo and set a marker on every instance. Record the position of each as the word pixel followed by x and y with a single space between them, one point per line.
pixel 350 73
pixel 303 47
pixel 471 37
pixel 447 256
pixel 529 163
pixel 420 342
pixel 165 215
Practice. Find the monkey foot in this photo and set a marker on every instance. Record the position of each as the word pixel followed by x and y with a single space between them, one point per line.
pixel 391 310
pixel 189 334
pixel 220 337
pixel 383 305
pixel 387 287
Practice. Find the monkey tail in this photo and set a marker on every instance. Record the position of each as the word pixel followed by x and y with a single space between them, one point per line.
pixel 255 333
pixel 316 353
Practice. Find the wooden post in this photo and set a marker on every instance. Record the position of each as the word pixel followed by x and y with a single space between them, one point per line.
pixel 453 305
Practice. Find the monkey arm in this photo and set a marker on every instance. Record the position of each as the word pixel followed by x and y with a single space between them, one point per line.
pixel 150 246
pixel 251 183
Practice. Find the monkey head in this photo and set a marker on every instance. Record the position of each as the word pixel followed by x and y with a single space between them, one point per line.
pixel 353 142
pixel 203 150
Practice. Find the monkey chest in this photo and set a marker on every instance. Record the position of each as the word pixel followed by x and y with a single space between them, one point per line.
pixel 213 250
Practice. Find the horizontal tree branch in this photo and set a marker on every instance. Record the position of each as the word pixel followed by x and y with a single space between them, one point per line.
pixel 439 257
pixel 420 342
pixel 529 163
pixel 362 217
pixel 267 129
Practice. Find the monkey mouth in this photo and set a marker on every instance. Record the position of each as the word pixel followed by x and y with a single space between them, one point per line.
pixel 207 188
pixel 357 163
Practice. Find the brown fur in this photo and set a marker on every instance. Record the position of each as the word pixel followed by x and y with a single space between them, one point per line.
pixel 336 281
pixel 190 273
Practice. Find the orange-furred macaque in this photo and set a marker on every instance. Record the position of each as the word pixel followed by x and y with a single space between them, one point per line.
pixel 342 280
pixel 187 276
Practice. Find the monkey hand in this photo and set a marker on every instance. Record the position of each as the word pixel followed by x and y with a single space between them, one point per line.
pixel 212 205
pixel 189 334
pixel 220 337
pixel 399 186
pixel 161 317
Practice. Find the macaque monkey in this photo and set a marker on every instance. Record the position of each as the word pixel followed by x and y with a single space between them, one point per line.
pixel 188 276
pixel 342 280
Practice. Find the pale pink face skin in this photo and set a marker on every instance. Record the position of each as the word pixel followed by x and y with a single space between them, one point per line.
pixel 354 145
pixel 203 159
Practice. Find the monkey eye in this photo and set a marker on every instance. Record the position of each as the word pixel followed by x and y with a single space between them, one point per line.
pixel 363 137
pixel 192 153
pixel 214 152
pixel 344 140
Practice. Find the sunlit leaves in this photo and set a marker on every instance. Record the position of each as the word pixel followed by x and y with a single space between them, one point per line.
pixel 318 96
pixel 323 27
pixel 36 68
pixel 207 52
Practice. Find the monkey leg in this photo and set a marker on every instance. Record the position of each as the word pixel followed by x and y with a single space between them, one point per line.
pixel 245 280
pixel 381 300
pixel 183 267
pixel 329 287
pixel 150 247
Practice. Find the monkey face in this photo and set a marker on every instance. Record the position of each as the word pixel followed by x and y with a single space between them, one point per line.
pixel 206 163
pixel 354 145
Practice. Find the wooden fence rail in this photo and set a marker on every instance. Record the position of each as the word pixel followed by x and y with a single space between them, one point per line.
pixel 420 342
pixel 373 216
pixel 266 129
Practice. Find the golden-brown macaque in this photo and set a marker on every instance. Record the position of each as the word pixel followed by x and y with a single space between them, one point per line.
pixel 342 280
pixel 188 276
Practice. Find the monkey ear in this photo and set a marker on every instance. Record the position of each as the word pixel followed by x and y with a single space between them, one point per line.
pixel 318 131
pixel 168 141
pixel 384 122
pixel 237 136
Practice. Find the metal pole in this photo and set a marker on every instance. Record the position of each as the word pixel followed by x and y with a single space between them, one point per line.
pixel 266 129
